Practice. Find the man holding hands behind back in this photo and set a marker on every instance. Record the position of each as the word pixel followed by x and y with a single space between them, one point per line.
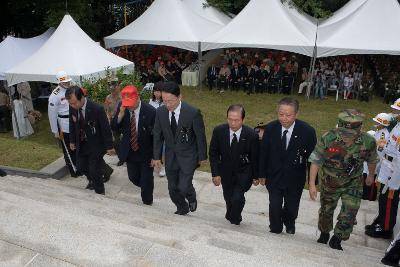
pixel 286 145
pixel 234 161
pixel 182 128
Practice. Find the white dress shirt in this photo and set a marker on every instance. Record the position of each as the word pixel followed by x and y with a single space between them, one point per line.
pixel 177 113
pixel 83 108
pixel 238 132
pixel 289 133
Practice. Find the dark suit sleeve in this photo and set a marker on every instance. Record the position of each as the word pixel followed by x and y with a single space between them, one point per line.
pixel 214 154
pixel 157 137
pixel 311 141
pixel 105 129
pixel 262 172
pixel 72 126
pixel 254 154
pixel 115 126
pixel 199 131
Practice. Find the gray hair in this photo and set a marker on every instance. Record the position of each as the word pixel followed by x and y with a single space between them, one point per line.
pixel 288 101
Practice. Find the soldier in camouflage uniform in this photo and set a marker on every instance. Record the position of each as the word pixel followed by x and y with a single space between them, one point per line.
pixel 340 155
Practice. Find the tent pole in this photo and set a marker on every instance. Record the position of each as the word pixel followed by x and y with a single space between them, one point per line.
pixel 200 58
pixel 13 110
pixel 312 65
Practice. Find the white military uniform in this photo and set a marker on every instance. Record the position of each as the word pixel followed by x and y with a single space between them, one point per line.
pixel 58 110
pixel 381 137
pixel 389 173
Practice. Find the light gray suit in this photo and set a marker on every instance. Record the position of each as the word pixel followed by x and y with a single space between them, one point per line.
pixel 182 151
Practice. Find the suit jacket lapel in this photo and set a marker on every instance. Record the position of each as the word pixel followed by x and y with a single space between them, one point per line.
pixel 242 139
pixel 180 120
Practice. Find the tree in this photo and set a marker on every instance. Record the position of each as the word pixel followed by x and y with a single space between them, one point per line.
pixel 315 8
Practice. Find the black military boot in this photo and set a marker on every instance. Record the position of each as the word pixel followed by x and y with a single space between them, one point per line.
pixel 335 243
pixel 323 238
pixel 392 255
pixel 107 173
pixel 379 232
pixel 371 226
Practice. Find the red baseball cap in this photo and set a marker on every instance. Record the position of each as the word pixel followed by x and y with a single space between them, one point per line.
pixel 129 96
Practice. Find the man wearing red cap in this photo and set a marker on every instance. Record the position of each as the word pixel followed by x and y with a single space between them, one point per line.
pixel 135 119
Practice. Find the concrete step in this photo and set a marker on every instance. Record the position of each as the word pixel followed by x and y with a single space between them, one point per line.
pixel 60 223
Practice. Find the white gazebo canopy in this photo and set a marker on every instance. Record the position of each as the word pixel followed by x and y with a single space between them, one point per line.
pixel 69 49
pixel 266 24
pixel 165 22
pixel 201 8
pixel 15 50
pixel 372 28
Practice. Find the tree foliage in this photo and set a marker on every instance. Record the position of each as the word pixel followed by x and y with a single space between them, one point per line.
pixel 315 8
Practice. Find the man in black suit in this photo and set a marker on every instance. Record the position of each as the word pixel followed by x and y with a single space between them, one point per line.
pixel 181 126
pixel 90 136
pixel 286 145
pixel 212 76
pixel 135 119
pixel 236 77
pixel 234 160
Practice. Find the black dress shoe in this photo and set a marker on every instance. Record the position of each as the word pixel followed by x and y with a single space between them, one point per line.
pixel 290 230
pixel 390 262
pixel 2 173
pixel 90 186
pixel 182 211
pixel 149 203
pixel 323 238
pixel 379 232
pixel 193 206
pixel 335 243
pixel 275 231
pixel 107 173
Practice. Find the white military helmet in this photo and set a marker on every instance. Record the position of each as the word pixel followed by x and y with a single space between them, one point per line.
pixel 396 104
pixel 383 119
pixel 371 133
pixel 62 77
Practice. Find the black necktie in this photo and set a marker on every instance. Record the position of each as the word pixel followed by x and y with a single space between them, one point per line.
pixel 173 123
pixel 234 144
pixel 284 140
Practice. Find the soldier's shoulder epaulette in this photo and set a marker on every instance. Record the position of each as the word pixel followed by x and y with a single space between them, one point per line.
pixel 56 91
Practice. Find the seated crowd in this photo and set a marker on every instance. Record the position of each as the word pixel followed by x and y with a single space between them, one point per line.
pixel 158 63
pixel 254 70
pixel 385 69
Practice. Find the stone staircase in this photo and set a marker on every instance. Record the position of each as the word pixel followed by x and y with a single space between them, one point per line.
pixel 46 222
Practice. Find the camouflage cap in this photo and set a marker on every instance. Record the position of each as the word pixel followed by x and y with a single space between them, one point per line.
pixel 350 119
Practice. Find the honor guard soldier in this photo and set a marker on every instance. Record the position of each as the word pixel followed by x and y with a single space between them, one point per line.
pixel 58 112
pixel 389 178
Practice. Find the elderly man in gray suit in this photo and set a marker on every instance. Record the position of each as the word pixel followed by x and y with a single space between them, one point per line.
pixel 181 126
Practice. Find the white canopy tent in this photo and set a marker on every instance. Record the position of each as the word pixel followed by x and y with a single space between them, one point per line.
pixel 69 49
pixel 15 50
pixel 165 22
pixel 343 12
pixel 373 28
pixel 201 8
pixel 266 24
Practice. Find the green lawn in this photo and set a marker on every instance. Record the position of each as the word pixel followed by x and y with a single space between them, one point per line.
pixel 38 150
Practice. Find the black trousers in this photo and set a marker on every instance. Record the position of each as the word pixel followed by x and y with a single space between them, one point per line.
pixel 381 219
pixel 141 174
pixel 283 208
pixel 92 166
pixel 180 186
pixel 71 153
pixel 235 200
